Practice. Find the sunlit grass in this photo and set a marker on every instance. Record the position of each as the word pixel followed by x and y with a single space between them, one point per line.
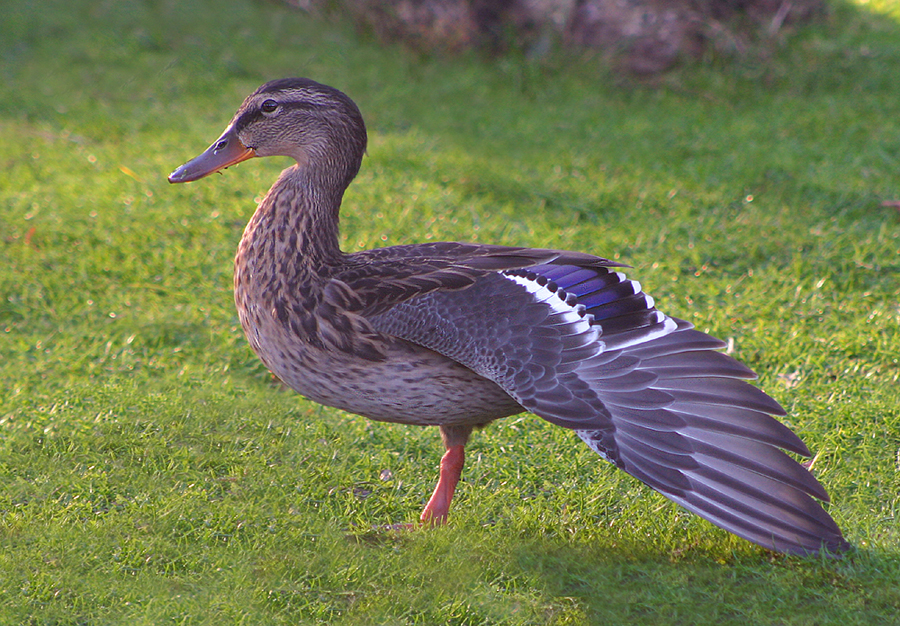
pixel 886 7
pixel 152 472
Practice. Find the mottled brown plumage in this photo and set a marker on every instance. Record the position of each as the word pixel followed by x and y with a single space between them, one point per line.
pixel 457 335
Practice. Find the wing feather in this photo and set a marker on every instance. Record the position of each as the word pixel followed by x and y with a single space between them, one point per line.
pixel 584 347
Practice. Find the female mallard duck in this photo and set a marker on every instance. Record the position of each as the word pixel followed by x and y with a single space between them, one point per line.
pixel 457 335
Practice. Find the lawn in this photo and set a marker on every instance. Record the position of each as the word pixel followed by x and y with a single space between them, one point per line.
pixel 153 472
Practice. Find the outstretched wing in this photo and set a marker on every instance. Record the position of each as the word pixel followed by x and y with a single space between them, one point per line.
pixel 585 348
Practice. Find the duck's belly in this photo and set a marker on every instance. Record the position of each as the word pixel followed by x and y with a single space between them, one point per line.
pixel 412 385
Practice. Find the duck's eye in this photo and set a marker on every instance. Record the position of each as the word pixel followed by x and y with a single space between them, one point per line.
pixel 269 106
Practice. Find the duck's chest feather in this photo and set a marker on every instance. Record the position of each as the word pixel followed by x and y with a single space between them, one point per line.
pixel 406 383
pixel 295 321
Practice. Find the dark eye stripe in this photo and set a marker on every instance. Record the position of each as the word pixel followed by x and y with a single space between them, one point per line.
pixel 254 115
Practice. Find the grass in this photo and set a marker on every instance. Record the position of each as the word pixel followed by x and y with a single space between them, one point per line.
pixel 151 471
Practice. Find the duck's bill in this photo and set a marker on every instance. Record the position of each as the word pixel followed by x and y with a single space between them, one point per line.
pixel 225 151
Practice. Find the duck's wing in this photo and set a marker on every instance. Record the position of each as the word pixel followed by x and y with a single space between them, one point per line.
pixel 374 281
pixel 371 283
pixel 585 348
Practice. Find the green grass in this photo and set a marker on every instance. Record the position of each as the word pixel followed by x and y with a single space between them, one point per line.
pixel 151 471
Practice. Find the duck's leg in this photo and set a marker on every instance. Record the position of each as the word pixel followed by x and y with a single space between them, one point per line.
pixel 438 507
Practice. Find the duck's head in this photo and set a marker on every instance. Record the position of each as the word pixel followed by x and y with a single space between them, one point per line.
pixel 318 126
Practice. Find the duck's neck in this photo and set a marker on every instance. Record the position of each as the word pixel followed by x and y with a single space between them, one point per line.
pixel 295 227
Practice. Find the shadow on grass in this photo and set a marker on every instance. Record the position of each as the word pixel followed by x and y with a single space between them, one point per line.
pixel 621 586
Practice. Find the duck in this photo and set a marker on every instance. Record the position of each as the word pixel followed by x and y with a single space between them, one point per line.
pixel 457 335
